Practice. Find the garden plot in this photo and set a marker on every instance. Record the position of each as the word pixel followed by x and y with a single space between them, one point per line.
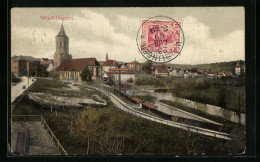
pixel 47 98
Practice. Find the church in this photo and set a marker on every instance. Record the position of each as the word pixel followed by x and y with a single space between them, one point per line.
pixel 68 68
pixel 62 48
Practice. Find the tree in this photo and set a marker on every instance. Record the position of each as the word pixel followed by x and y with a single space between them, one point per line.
pixel 14 79
pixel 147 67
pixel 130 80
pixel 86 74
pixel 41 71
pixel 54 75
pixel 86 126
pixel 110 81
pixel 189 141
pixel 222 97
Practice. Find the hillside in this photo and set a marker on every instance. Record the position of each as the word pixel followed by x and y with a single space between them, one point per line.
pixel 214 67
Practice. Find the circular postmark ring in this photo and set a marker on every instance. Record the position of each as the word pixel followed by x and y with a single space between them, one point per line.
pixel 160 39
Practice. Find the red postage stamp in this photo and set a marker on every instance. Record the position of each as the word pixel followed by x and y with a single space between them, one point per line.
pixel 161 39
pixel 161 36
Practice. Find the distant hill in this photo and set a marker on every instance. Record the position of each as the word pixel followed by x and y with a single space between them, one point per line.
pixel 214 67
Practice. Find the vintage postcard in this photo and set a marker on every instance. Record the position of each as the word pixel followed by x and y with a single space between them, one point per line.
pixel 128 81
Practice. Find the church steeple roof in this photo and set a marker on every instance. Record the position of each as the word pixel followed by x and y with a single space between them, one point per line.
pixel 62 32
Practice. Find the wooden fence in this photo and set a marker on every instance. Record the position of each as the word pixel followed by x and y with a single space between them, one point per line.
pixel 60 148
pixel 54 138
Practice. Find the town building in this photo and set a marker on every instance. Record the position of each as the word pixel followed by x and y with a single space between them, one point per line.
pixel 237 69
pixel 194 72
pixel 180 73
pixel 62 48
pixel 107 64
pixel 125 74
pixel 229 74
pixel 45 63
pixel 160 71
pixel 221 74
pixel 134 65
pixel 137 101
pixel 148 106
pixel 24 65
pixel 173 72
pixel 201 72
pixel 70 69
pixel 211 75
pixel 187 73
pixel 50 67
pixel 123 66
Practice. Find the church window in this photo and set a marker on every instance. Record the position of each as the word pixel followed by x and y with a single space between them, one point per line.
pixel 60 44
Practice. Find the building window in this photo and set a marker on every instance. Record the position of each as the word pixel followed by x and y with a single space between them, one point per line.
pixel 60 44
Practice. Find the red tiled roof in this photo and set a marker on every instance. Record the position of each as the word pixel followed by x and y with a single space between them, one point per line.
pixel 108 63
pixel 124 72
pixel 117 69
pixel 220 73
pixel 162 70
pixel 237 64
pixel 149 105
pixel 159 67
pixel 136 99
pixel 134 62
pixel 228 73
pixel 77 64
pixel 101 63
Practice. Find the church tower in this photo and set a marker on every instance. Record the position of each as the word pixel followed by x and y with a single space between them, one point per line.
pixel 62 48
pixel 107 56
pixel 237 68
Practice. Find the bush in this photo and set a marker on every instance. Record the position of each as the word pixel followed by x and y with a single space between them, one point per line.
pixel 86 74
pixel 130 80
pixel 53 75
pixel 15 80
pixel 153 82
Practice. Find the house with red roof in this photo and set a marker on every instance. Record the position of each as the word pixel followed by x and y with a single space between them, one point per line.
pixel 229 74
pixel 70 69
pixel 221 74
pixel 106 65
pixel 134 65
pixel 160 71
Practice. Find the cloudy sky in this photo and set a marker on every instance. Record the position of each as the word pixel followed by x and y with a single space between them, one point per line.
pixel 213 34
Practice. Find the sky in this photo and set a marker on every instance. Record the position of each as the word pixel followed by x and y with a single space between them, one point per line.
pixel 212 34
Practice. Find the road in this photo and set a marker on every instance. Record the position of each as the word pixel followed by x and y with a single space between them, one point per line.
pixel 127 108
pixel 17 89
